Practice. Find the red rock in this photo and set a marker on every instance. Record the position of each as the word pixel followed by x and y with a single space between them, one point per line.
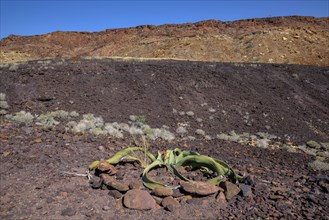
pixel 136 185
pixel 169 201
pixel 105 166
pixel 221 199
pixel 162 191
pixel 231 190
pixel 139 199
pixel 200 188
pixel 112 182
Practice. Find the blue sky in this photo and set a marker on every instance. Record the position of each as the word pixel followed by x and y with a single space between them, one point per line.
pixel 27 17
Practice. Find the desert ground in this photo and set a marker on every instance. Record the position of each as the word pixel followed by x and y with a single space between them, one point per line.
pixel 269 122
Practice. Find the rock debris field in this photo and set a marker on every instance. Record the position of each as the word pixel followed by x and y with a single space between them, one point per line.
pixel 268 122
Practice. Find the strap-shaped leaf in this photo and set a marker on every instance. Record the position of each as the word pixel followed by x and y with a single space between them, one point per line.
pixel 121 154
pixel 174 156
pixel 230 174
pixel 149 182
pixel 201 161
pixel 94 165
pixel 124 154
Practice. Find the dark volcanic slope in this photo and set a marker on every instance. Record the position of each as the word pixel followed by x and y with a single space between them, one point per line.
pixel 279 99
pixel 282 100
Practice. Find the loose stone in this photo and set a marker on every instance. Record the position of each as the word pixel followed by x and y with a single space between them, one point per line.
pixel 200 188
pixel 169 201
pixel 221 199
pixel 115 194
pixel 245 190
pixel 68 212
pixel 139 199
pixel 231 190
pixel 162 191
pixel 112 182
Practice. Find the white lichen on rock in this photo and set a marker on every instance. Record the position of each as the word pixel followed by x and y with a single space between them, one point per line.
pixel 232 137
pixel 181 113
pixel 45 120
pixel 70 125
pixel 98 131
pixel 165 127
pixel 158 133
pixel 307 150
pixel 181 130
pixel 2 97
pixel 88 122
pixel 113 129
pixel 190 138
pixel 60 114
pixel 319 165
pixel 153 134
pixel 132 117
pixel 166 135
pixel 262 143
pixel 4 104
pixel 125 127
pixel 48 119
pixel 134 130
pixel 200 132
pixel 74 114
pixel 223 136
pixel 199 120
pixel 21 117
pixel 3 112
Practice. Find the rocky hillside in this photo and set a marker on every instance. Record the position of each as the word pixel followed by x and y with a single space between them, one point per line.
pixel 294 40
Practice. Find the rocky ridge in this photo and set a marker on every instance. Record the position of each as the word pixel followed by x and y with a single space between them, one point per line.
pixel 292 40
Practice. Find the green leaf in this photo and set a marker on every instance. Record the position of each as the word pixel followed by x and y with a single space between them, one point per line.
pixel 201 161
pixel 118 157
pixel 93 165
pixel 147 181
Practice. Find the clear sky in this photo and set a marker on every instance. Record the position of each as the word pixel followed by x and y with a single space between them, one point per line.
pixel 28 17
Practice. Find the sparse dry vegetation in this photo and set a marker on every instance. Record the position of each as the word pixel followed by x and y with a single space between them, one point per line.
pixel 59 115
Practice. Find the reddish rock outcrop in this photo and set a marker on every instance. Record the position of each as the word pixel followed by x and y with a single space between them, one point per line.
pixel 295 40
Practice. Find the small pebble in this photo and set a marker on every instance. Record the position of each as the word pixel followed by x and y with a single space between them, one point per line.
pixel 106 208
pixel 177 193
pixel 136 185
pixel 115 194
pixel 68 212
pixel 170 208
pixel 200 132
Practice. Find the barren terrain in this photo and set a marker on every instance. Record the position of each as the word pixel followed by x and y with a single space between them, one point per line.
pixel 253 93
pixel 268 121
pixel 289 40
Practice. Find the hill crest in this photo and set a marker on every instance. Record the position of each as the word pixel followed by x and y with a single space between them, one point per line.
pixel 293 40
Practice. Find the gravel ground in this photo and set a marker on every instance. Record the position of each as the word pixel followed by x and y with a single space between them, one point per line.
pixel 286 101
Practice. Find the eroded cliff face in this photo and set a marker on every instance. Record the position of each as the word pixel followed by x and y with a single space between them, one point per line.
pixel 293 40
